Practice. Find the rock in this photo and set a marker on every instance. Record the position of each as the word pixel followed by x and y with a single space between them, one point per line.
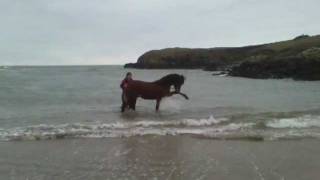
pixel 219 73
pixel 298 68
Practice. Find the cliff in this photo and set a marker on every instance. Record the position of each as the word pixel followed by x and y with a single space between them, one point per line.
pixel 298 58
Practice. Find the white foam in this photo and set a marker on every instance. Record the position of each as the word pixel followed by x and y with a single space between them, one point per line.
pixel 184 122
pixel 202 122
pixel 209 127
pixel 119 129
pixel 170 104
pixel 297 122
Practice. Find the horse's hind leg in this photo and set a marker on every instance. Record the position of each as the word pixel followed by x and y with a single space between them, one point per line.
pixel 133 102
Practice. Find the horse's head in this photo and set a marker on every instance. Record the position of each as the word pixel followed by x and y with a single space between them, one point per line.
pixel 175 80
pixel 178 82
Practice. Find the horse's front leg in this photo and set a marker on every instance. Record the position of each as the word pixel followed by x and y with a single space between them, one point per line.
pixel 174 92
pixel 123 107
pixel 158 104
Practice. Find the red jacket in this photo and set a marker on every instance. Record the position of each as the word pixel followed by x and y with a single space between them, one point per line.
pixel 124 83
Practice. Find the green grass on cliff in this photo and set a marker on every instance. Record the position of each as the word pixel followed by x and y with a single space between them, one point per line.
pixel 214 57
pixel 296 44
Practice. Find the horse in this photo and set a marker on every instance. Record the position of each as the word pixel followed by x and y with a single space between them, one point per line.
pixel 152 90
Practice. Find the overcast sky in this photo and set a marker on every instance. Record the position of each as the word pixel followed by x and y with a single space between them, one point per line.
pixel 58 32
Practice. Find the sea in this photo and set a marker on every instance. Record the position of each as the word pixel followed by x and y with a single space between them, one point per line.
pixel 45 109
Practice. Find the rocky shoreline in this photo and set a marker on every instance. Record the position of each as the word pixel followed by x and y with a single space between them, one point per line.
pixel 298 59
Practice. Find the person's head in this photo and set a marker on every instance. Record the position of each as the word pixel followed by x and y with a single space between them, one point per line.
pixel 129 75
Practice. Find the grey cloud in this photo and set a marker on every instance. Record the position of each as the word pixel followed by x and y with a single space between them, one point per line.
pixel 114 32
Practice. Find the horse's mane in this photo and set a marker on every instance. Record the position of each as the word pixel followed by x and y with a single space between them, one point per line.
pixel 170 79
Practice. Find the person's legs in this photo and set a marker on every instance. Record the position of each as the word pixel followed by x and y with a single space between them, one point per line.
pixel 124 102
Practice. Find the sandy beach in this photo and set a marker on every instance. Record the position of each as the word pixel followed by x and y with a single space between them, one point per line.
pixel 160 157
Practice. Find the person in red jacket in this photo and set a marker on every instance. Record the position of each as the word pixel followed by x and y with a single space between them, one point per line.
pixel 126 80
pixel 124 85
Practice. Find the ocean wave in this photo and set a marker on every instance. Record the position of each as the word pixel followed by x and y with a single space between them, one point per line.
pixel 183 122
pixel 306 126
pixel 306 121
pixel 119 129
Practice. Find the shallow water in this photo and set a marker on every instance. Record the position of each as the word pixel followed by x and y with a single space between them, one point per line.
pixel 84 102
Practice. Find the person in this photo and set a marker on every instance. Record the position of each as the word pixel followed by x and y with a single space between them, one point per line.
pixel 125 81
pixel 123 86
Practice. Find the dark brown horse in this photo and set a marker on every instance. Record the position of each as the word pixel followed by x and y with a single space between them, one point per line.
pixel 152 90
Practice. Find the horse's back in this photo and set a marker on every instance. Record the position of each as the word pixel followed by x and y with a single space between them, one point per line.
pixel 146 90
pixel 137 82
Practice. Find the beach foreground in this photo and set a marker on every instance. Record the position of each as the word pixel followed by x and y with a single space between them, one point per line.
pixel 159 157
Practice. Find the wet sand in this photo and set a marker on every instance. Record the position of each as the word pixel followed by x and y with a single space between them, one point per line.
pixel 160 157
